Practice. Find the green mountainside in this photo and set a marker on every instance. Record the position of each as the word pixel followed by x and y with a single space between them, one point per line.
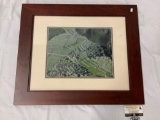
pixel 79 52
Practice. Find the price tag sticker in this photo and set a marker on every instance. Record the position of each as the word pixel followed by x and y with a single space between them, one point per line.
pixel 133 111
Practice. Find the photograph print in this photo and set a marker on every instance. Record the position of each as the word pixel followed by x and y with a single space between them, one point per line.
pixel 75 52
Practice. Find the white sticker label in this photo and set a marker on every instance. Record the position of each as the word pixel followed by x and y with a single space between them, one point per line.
pixel 130 110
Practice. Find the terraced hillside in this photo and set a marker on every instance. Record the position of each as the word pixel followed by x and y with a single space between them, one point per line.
pixel 79 52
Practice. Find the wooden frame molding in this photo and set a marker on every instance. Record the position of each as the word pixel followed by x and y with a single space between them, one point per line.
pixel 23 96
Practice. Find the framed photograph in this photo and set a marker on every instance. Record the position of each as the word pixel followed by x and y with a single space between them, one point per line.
pixel 79 54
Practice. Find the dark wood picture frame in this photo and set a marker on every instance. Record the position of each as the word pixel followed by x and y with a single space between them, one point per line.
pixel 23 96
